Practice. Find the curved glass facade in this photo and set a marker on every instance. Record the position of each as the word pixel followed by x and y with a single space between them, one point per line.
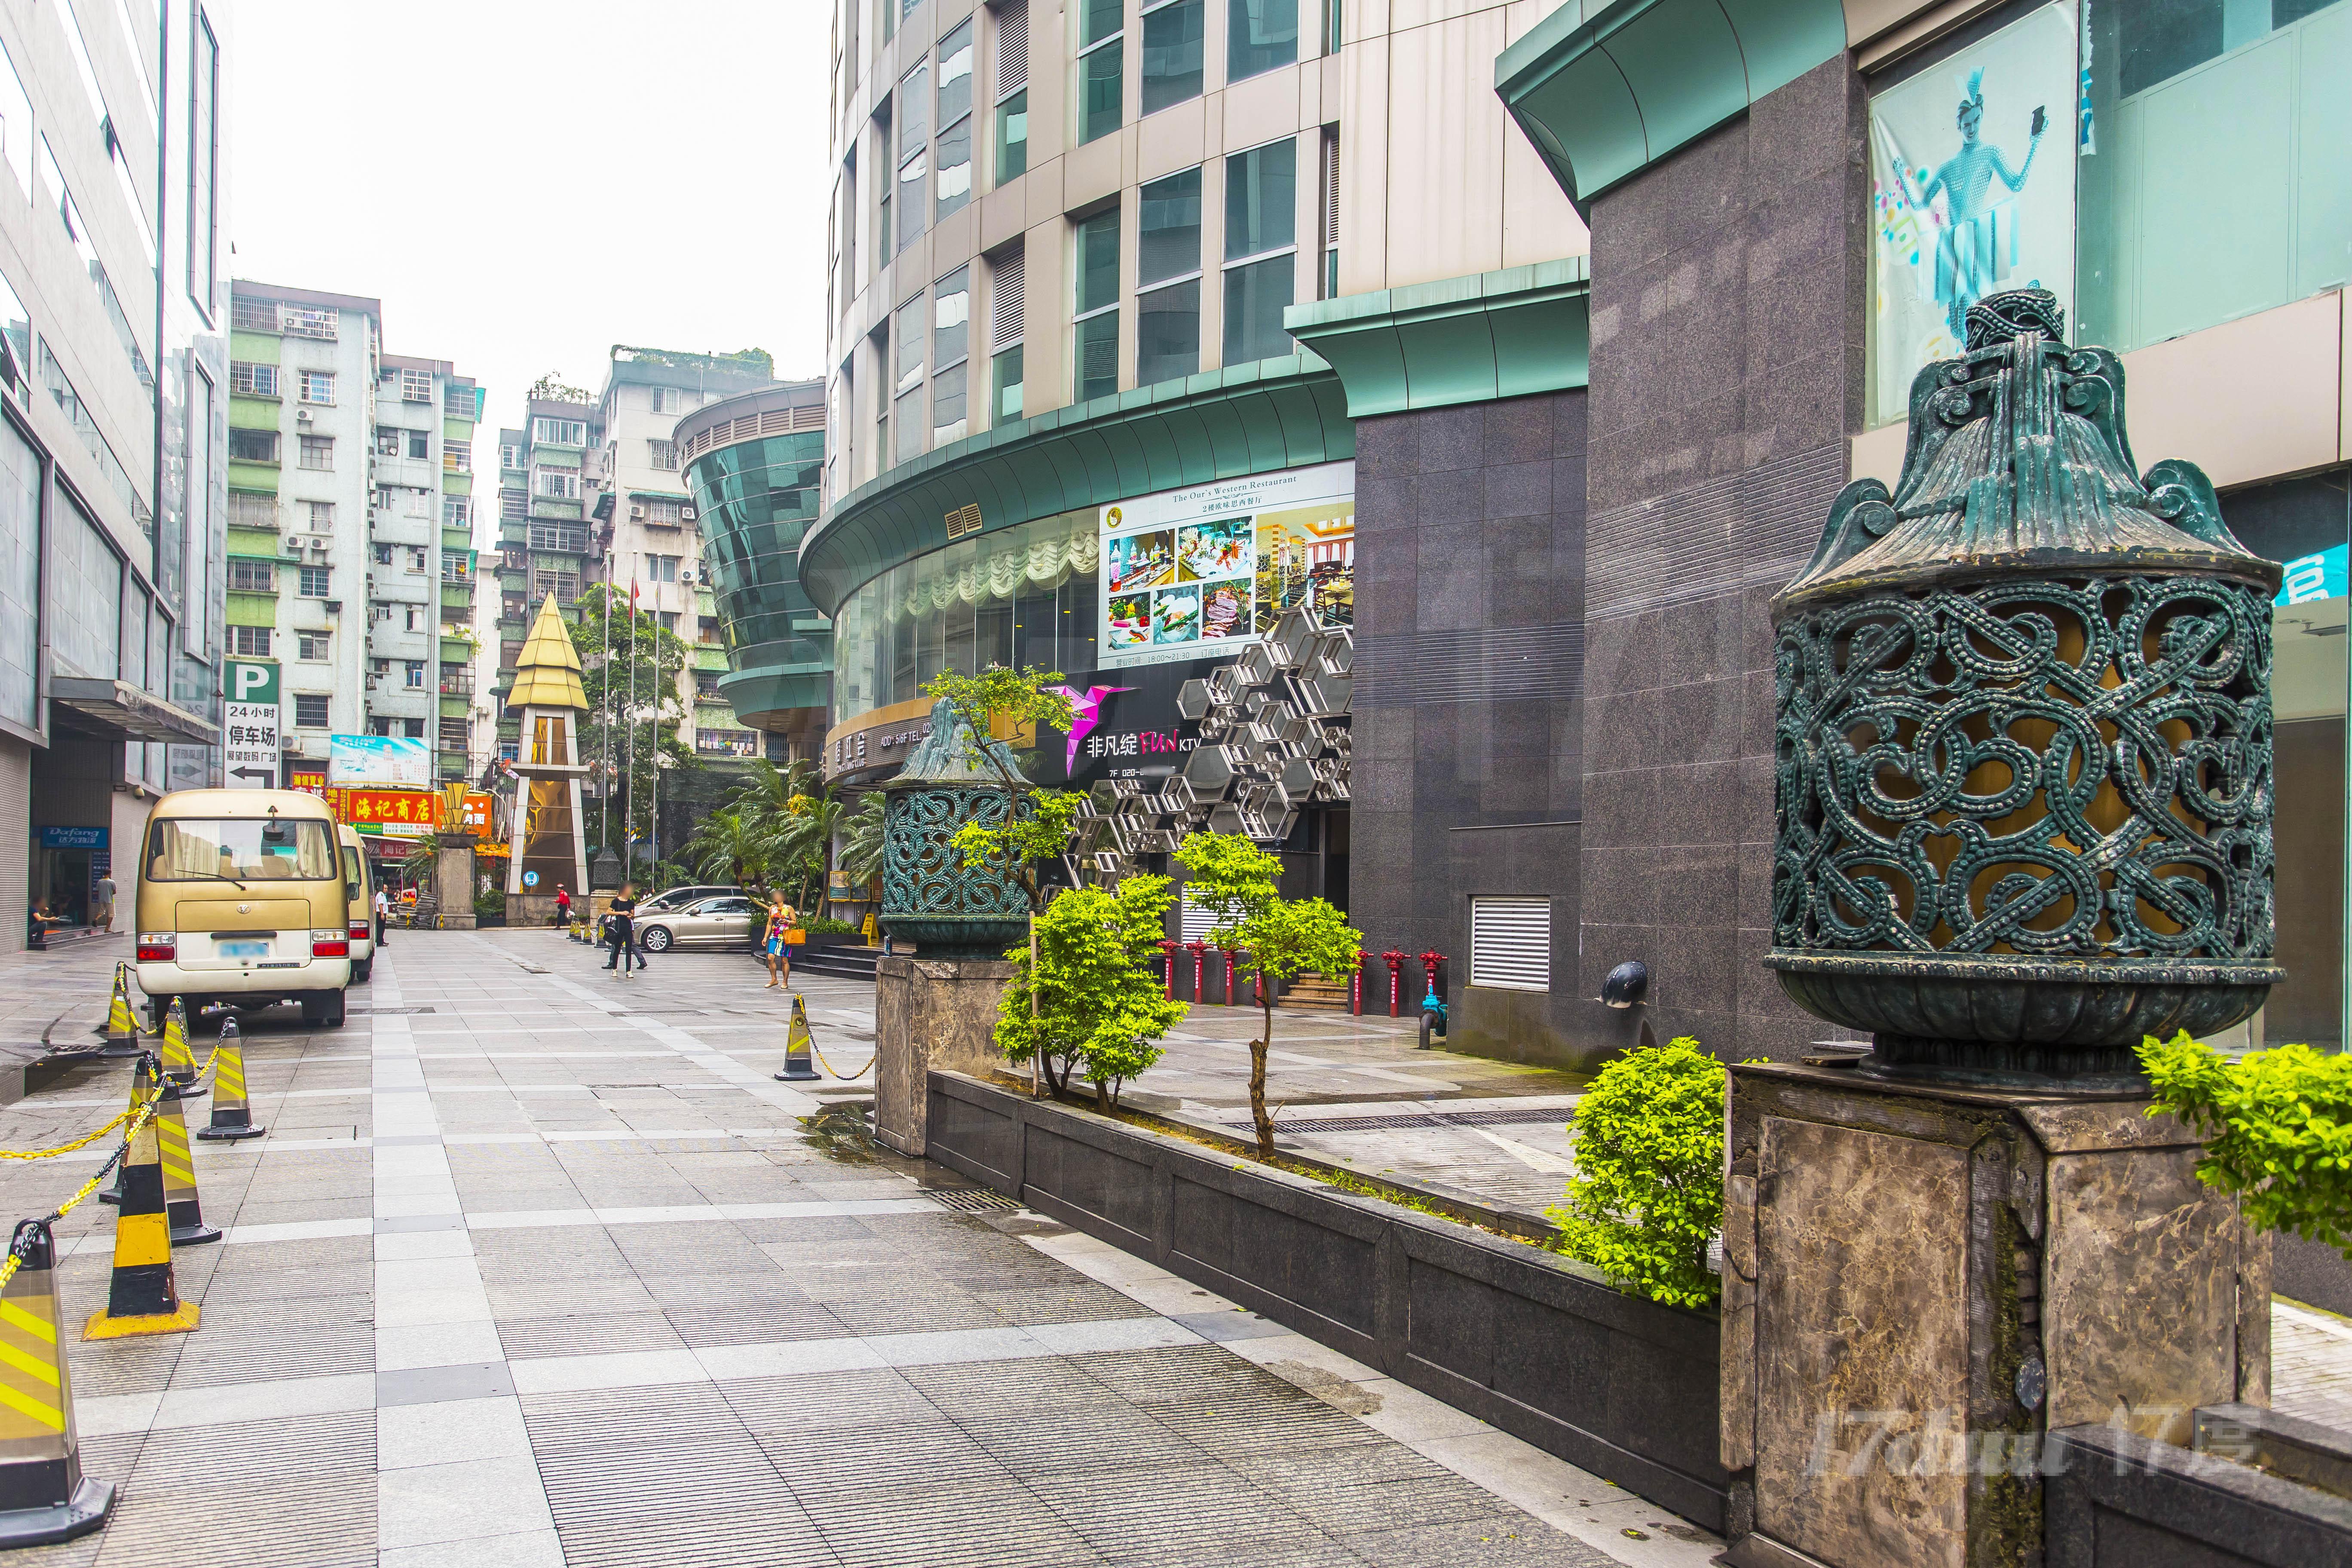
pixel 756 499
pixel 1023 596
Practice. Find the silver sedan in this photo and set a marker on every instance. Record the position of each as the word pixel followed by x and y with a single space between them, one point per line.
pixel 729 922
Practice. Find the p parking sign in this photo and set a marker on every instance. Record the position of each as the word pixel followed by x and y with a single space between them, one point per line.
pixel 250 750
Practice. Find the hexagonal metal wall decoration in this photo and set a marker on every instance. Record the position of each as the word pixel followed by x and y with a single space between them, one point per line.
pixel 1192 700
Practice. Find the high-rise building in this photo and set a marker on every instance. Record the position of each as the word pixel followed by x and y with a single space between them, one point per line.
pixel 351 554
pixel 549 473
pixel 113 397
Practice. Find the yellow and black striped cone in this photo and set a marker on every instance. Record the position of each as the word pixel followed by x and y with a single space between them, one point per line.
pixel 232 1111
pixel 178 1062
pixel 122 1037
pixel 180 1203
pixel 143 1298
pixel 798 1044
pixel 44 1496
pixel 146 1081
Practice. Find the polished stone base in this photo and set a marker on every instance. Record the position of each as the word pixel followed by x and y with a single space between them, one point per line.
pixel 1920 1281
pixel 929 1012
pixel 453 874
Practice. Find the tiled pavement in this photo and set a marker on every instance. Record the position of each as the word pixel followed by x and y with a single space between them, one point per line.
pixel 538 1267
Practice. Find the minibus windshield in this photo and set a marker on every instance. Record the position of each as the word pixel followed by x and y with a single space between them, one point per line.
pixel 238 849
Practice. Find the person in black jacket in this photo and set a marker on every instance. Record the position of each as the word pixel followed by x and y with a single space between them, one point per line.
pixel 620 930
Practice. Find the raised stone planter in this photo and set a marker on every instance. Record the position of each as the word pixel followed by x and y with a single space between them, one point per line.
pixel 1537 1345
pixel 2112 1500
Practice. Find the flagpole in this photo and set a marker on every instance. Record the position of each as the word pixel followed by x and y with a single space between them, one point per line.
pixel 629 824
pixel 605 795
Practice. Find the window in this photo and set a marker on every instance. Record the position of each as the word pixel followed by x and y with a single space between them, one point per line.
pixel 454 736
pixel 412 674
pixel 420 443
pixel 380 553
pixel 415 385
pixel 249 642
pixel 387 445
pixel 1260 35
pixel 251 380
pixel 1004 334
pixel 950 346
pixel 318 453
pixel 1167 279
pixel 456 568
pixel 461 402
pixel 416 560
pixel 663 455
pixel 1330 208
pixel 662 568
pixel 667 399
pixel 204 164
pixel 1510 944
pixel 456 456
pixel 252 446
pixel 1332 30
pixel 668 620
pixel 457 512
pixel 315 581
pixel 318 387
pixel 909 332
pixel 560 432
pixel 953 186
pixel 1261 234
pixel 412 619
pixel 662 514
pixel 1100 65
pixel 247 576
pixel 1004 386
pixel 559 483
pixel 913 101
pixel 1173 33
pixel 253 315
pixel 309 711
pixel 314 647
pixel 321 515
pixel 297 322
pixel 248 511
pixel 1096 363
pixel 509 455
pixel 571 538
pixel 1012 91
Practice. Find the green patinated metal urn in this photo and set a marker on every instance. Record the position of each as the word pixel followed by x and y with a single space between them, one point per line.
pixel 2023 787
pixel 930 897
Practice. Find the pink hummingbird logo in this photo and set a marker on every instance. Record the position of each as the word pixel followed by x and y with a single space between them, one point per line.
pixel 1085 712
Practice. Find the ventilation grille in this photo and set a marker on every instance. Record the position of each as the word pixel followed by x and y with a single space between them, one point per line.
pixel 1005 303
pixel 1712 539
pixel 972 1200
pixel 1331 185
pixel 1474 665
pixel 1013 49
pixel 1510 944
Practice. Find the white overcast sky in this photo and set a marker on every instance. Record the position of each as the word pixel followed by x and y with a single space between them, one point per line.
pixel 524 184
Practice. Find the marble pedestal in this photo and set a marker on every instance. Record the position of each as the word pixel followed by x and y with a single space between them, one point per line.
pixel 929 1013
pixel 453 878
pixel 1919 1281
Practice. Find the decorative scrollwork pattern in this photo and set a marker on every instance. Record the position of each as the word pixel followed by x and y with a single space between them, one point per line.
pixel 921 872
pixel 2066 769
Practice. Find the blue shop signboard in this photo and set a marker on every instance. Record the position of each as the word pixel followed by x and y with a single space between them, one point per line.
pixel 73 837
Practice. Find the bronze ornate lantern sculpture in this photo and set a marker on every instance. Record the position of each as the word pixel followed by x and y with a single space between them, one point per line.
pixel 2024 726
pixel 930 897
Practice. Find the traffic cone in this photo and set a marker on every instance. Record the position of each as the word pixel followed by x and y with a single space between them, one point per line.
pixel 146 1079
pixel 143 1298
pixel 179 1061
pixel 44 1496
pixel 798 1045
pixel 232 1111
pixel 121 1024
pixel 180 1204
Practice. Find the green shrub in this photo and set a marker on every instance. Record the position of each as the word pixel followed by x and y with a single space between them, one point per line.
pixel 823 927
pixel 1647 1195
pixel 493 902
pixel 2280 1122
pixel 1092 1002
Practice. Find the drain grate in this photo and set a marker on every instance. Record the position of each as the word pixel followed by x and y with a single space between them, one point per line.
pixel 428 1008
pixel 972 1200
pixel 1378 1124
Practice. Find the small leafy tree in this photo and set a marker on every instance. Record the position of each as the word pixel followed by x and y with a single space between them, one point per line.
pixel 1647 1195
pixel 1037 822
pixel 1091 1003
pixel 1285 937
pixel 2280 1122
pixel 630 669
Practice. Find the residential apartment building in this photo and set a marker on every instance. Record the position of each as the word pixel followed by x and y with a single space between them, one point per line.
pixel 351 553
pixel 113 396
pixel 550 472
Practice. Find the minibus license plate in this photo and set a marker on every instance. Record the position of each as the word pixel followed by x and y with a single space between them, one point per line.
pixel 244 949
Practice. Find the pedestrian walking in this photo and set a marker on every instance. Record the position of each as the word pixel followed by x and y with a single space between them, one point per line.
pixel 383 913
pixel 620 930
pixel 778 946
pixel 562 906
pixel 103 914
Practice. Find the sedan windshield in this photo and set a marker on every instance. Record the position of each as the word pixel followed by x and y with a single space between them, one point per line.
pixel 239 849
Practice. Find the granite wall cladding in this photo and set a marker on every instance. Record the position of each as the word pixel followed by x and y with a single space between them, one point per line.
pixel 1469 728
pixel 1727 372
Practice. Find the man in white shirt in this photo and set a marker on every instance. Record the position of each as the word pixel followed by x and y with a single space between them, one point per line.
pixel 383 913
pixel 102 915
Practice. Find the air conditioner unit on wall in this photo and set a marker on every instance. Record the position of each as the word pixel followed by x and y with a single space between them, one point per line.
pixel 636 514
pixel 686 513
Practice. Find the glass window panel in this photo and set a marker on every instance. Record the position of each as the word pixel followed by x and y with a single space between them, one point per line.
pixel 1261 199
pixel 910 418
pixel 1006 380
pixel 20 576
pixel 1100 20
pixel 1013 137
pixel 911 178
pixel 955 167
pixel 1097 357
pixel 914 103
pixel 1098 91
pixel 1173 53
pixel 907 361
pixel 947 406
pixel 1168 332
pixel 955 74
pixel 1260 35
pixel 951 316
pixel 1098 261
pixel 85 636
pixel 1168 220
pixel 1255 296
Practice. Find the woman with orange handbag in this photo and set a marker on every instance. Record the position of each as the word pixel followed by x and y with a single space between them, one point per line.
pixel 783 922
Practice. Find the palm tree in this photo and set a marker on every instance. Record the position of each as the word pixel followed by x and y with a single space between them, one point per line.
pixel 861 843
pixel 728 844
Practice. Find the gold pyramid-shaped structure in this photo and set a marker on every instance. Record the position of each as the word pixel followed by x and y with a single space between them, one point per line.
pixel 547 675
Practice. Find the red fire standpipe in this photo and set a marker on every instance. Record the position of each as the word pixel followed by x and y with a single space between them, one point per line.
pixel 1167 947
pixel 1200 952
pixel 1429 963
pixel 1229 976
pixel 1356 984
pixel 1396 980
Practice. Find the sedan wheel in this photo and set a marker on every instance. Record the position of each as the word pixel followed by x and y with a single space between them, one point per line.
pixel 656 938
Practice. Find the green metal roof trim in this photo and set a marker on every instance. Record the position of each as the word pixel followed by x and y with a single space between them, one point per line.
pixel 1466 339
pixel 1604 97
pixel 1218 424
